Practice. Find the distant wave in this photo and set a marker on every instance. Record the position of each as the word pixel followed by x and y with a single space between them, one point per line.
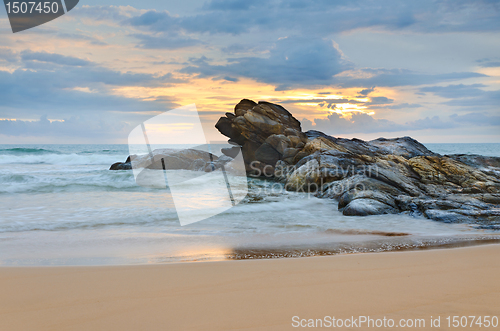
pixel 59 159
pixel 19 150
pixel 137 220
pixel 366 232
pixel 54 181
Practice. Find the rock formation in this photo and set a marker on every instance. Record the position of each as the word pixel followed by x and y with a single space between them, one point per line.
pixel 189 159
pixel 366 177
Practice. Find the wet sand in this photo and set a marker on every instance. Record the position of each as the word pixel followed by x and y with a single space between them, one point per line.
pixel 254 294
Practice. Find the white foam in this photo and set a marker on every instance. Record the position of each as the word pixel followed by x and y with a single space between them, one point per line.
pixel 62 159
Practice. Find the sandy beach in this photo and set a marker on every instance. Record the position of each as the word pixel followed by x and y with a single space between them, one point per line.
pixel 253 294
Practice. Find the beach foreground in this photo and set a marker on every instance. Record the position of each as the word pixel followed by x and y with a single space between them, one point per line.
pixel 255 294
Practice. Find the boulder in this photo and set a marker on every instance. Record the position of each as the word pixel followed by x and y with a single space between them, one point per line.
pixel 189 159
pixel 365 207
pixel 262 129
pixel 121 166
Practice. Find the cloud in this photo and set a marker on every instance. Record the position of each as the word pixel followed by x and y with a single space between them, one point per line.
pixel 239 48
pixel 372 102
pixel 466 96
pixel 379 101
pixel 8 55
pixel 74 127
pixel 54 58
pixel 320 100
pixel 294 61
pixel 319 18
pixel 366 91
pixel 106 13
pixel 61 84
pixel 309 62
pixel 488 99
pixel 402 106
pixel 234 5
pixel 491 64
pixel 165 41
pixel 398 77
pixel 434 122
pixel 358 122
pixel 26 93
pixel 455 91
pixel 488 63
pixel 81 36
pixel 479 119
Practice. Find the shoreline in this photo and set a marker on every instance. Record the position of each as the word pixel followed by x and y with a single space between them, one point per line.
pixel 254 295
pixel 359 243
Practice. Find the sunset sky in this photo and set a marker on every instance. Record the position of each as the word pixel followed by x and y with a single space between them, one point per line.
pixel 365 69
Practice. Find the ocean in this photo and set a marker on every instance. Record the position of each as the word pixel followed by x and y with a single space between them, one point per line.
pixel 60 205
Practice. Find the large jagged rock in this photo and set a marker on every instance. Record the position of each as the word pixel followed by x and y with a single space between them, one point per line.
pixel 366 177
pixel 265 131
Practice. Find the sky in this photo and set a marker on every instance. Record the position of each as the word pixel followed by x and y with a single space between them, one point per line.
pixel 364 69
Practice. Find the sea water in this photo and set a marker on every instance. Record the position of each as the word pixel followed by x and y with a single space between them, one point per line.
pixel 60 205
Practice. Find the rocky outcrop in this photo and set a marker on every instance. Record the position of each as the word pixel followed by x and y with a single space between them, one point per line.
pixel 381 176
pixel 266 133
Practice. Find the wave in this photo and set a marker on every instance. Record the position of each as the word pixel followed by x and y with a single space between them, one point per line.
pixel 386 245
pixel 20 150
pixel 366 232
pixel 61 159
pixel 152 220
pixel 78 181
